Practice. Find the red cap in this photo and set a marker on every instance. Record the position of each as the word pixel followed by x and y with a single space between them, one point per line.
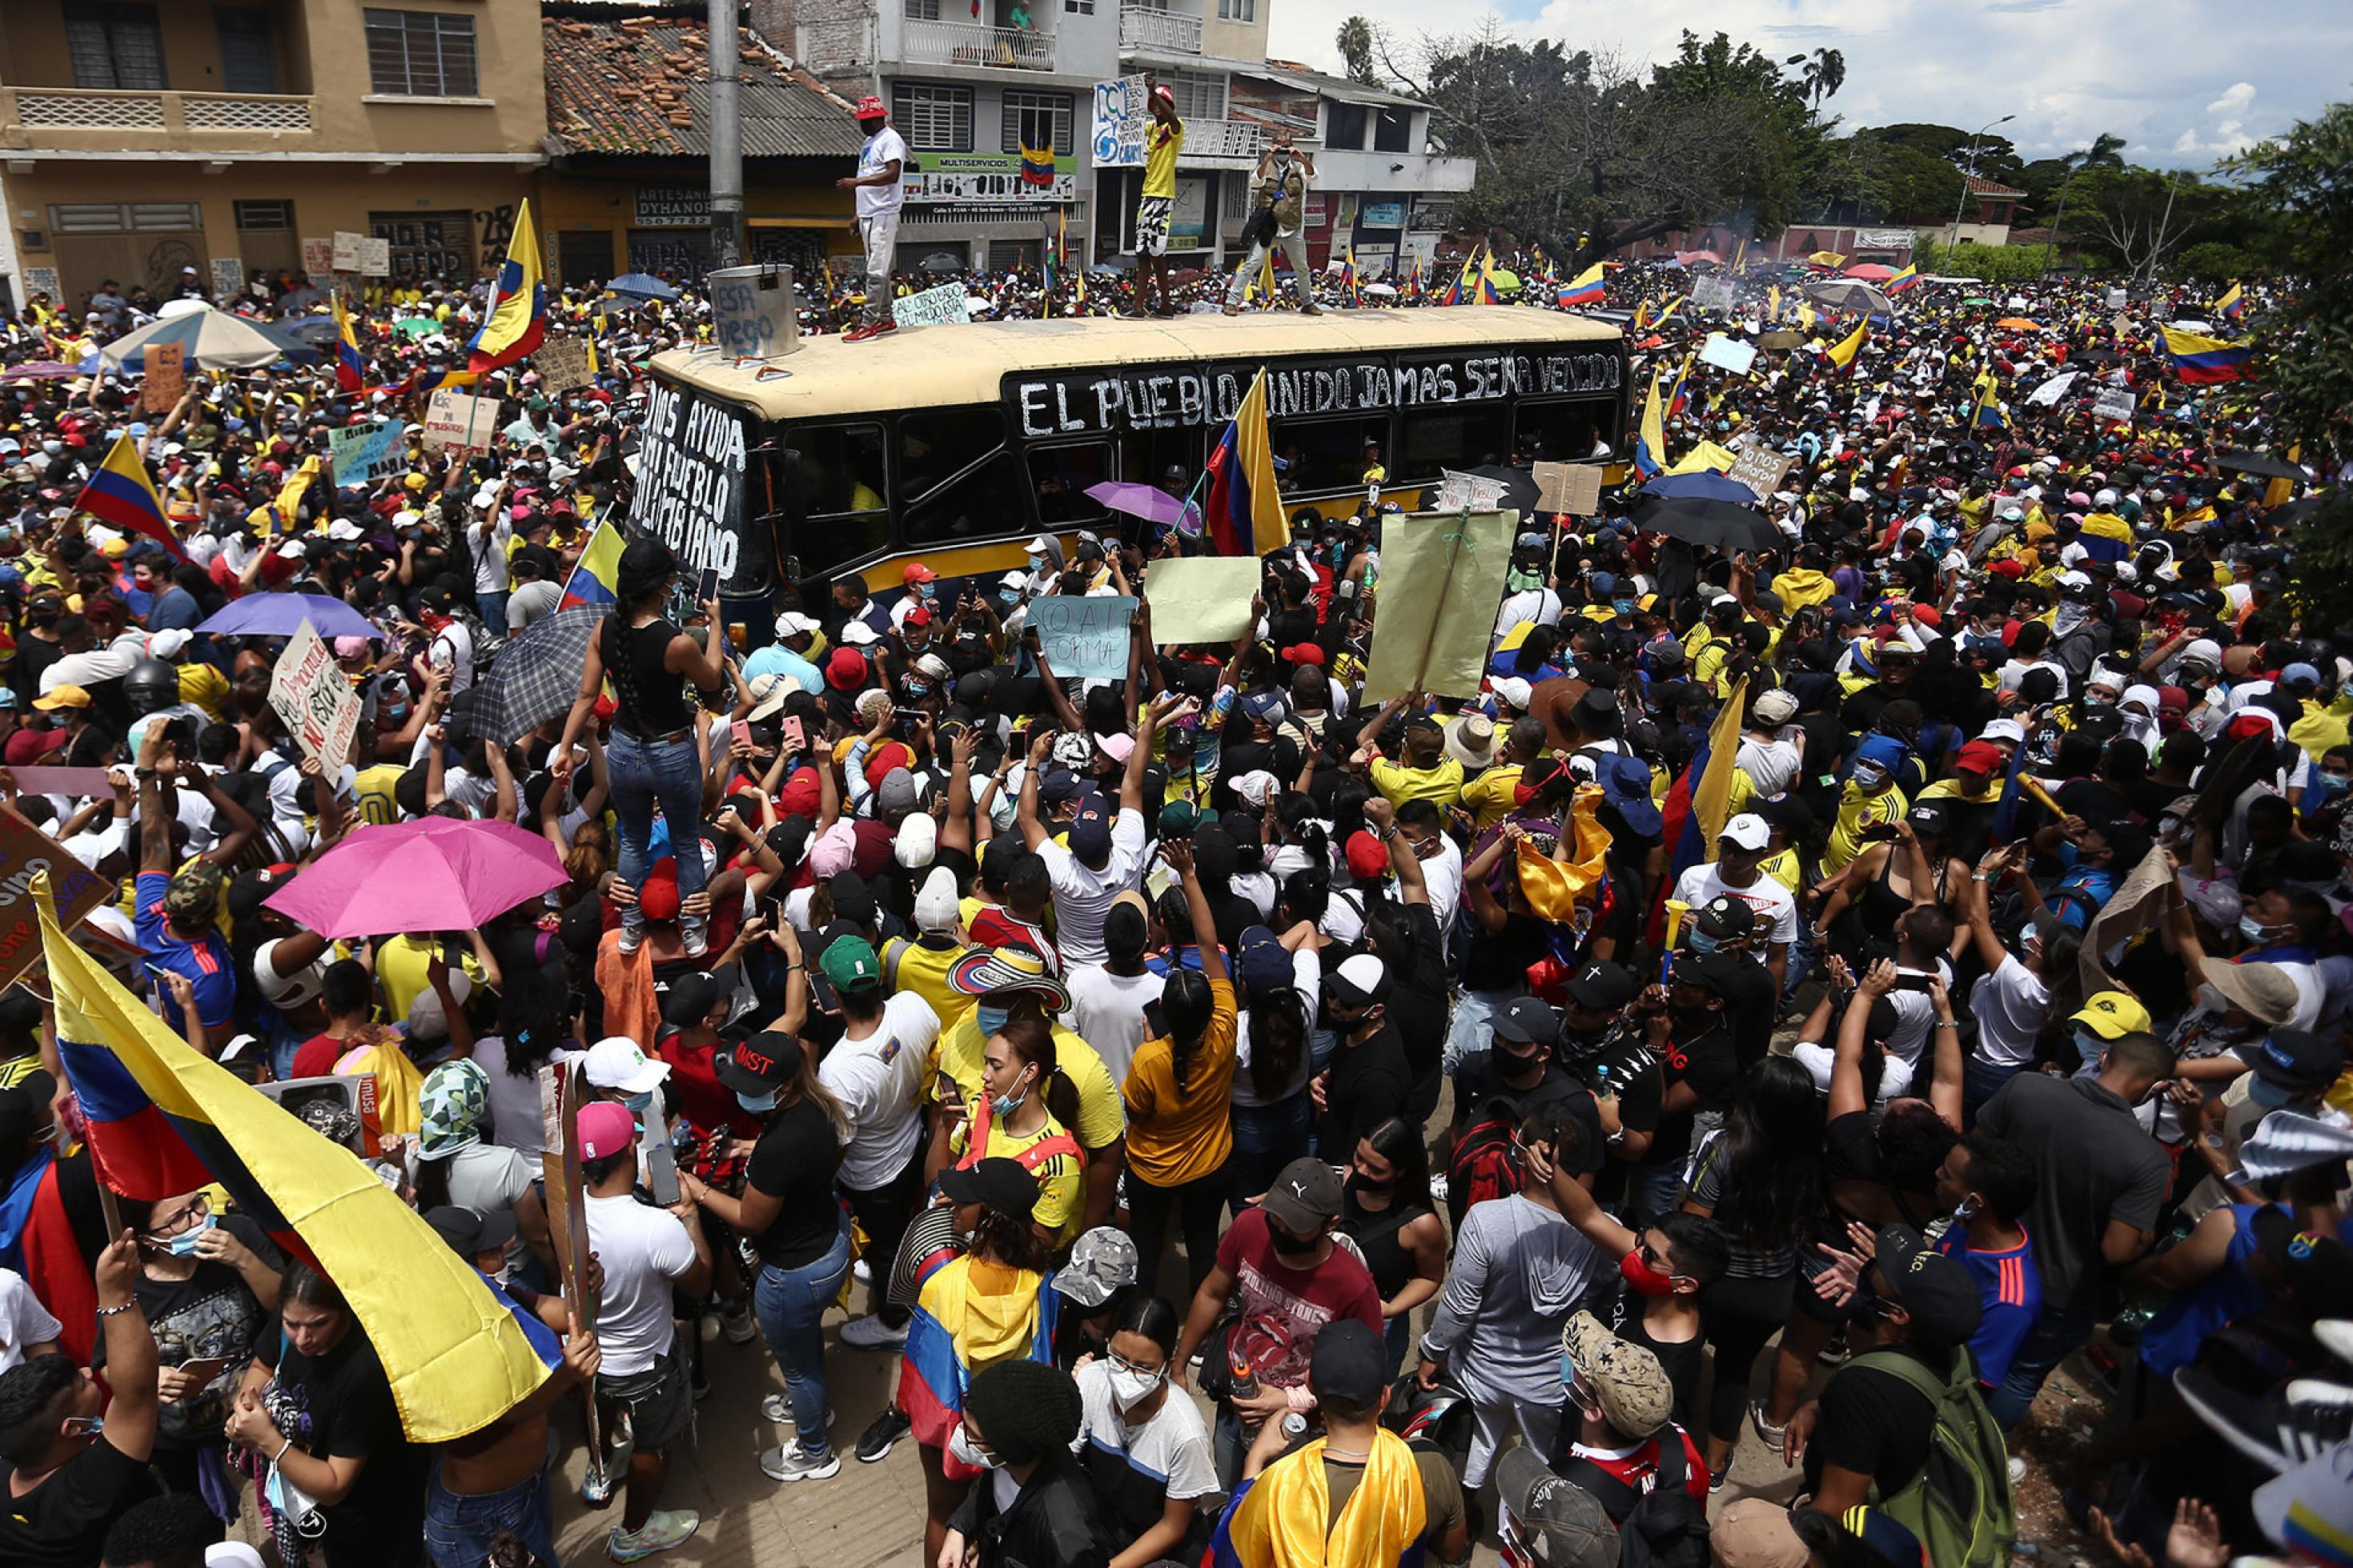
pixel 917 571
pixel 1927 615
pixel 1980 757
pixel 869 108
pixel 845 670
pixel 657 894
pixel 921 616
pixel 1303 653
pixel 1367 856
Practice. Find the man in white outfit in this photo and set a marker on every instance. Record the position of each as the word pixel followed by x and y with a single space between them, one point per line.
pixel 881 162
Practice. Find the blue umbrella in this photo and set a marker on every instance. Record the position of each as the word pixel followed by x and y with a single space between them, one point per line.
pixel 282 614
pixel 1703 485
pixel 644 285
pixel 212 339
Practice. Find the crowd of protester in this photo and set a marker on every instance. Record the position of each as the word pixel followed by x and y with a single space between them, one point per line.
pixel 1198 1081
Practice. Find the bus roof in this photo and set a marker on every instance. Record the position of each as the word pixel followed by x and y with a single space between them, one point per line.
pixel 933 367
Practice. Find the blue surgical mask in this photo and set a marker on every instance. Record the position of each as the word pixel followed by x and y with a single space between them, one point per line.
pixel 639 1104
pixel 2271 1096
pixel 927 591
pixel 1701 942
pixel 1622 606
pixel 1005 1105
pixel 184 1244
pixel 2253 930
pixel 759 1104
pixel 989 1019
pixel 2090 1044
pixel 2331 785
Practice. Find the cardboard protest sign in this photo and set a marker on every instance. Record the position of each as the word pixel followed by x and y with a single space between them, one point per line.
pixel 347 251
pixel 1083 635
pixel 566 1201
pixel 1712 294
pixel 461 420
pixel 1459 491
pixel 1760 468
pixel 166 379
pixel 1199 598
pixel 1442 580
pixel 561 364
pixel 2115 404
pixel 362 454
pixel 310 693
pixel 1727 353
pixel 318 258
pixel 340 1107
pixel 375 257
pixel 932 307
pixel 1571 487
pixel 74 888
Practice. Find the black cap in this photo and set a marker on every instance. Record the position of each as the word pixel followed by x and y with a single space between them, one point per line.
pixel 2316 1266
pixel 2299 1060
pixel 1348 1363
pixel 760 1065
pixel 472 1232
pixel 1935 1290
pixel 1527 1021
pixel 1005 1186
pixel 853 900
pixel 691 997
pixel 1725 919
pixel 1929 816
pixel 1304 1194
pixel 1601 987
pixel 1713 971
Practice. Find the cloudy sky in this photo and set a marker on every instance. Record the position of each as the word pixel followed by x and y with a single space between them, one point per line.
pixel 2184 81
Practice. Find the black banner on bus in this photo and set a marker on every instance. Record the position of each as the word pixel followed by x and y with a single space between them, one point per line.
pixel 1099 401
pixel 692 470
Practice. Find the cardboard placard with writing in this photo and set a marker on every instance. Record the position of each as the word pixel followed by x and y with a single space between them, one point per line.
pixel 1727 353
pixel 1083 635
pixel 566 1200
pixel 310 693
pixel 1201 598
pixel 1571 487
pixel 363 454
pixel 1442 579
pixel 944 305
pixel 1473 493
pixel 1760 468
pixel 375 257
pixel 2115 405
pixel 166 377
pixel 346 250
pixel 318 259
pixel 460 419
pixel 74 890
pixel 561 364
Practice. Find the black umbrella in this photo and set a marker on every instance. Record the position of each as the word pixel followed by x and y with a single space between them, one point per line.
pixel 301 299
pixel 536 676
pixel 2097 356
pixel 2259 463
pixel 1519 486
pixel 2296 510
pixel 1698 520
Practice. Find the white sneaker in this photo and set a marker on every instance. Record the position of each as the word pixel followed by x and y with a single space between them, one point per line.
pixel 736 1323
pixel 859 1272
pixel 778 1408
pixel 792 1462
pixel 871 1333
pixel 663 1528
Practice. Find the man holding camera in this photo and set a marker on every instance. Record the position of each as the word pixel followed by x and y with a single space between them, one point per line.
pixel 1278 219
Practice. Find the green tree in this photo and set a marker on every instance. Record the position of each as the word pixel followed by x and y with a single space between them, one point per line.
pixel 1356 45
pixel 1821 75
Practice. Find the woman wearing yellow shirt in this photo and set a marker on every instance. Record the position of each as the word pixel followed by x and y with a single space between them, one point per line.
pixel 1025 1110
pixel 1180 1101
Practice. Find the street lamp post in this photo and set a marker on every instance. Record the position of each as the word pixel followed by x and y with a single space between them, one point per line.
pixel 1953 235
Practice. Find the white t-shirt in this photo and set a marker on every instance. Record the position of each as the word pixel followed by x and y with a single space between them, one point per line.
pixel 490 1177
pixel 643 1248
pixel 453 650
pixel 1171 1447
pixel 881 151
pixel 1107 1012
pixel 2009 1005
pixel 25 1322
pixel 1082 896
pixel 1771 765
pixel 877 1079
pixel 491 553
pixel 1307 976
pixel 287 990
pixel 1776 909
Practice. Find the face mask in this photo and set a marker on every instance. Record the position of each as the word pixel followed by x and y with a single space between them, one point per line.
pixel 2090 1044
pixel 962 1447
pixel 184 1244
pixel 1129 1389
pixel 2253 930
pixel 1622 606
pixel 918 688
pixel 1702 942
pixel 757 1103
pixel 2331 785
pixel 1007 1104
pixel 2267 1094
pixel 639 1104
pixel 927 592
pixel 1642 1279
pixel 989 1019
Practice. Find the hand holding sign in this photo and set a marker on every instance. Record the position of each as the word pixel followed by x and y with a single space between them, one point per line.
pixel 1085 635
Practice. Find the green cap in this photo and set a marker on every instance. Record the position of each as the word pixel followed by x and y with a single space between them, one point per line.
pixel 850 964
pixel 1178 819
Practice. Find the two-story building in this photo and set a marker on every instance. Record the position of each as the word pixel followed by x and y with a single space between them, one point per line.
pixel 140 137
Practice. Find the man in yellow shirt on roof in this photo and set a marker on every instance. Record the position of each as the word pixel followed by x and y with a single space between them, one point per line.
pixel 1164 138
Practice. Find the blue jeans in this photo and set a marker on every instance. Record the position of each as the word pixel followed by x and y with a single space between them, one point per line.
pixel 1980 1081
pixel 1266 1138
pixel 2059 1330
pixel 790 1304
pixel 458 1530
pixel 1472 1029
pixel 644 775
pixel 492 608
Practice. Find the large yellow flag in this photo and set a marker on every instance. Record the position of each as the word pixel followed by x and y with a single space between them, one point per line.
pixel 1710 799
pixel 454 1354
pixel 1842 354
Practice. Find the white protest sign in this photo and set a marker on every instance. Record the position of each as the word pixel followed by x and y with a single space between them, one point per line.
pixel 1121 115
pixel 2052 390
pixel 2115 297
pixel 1198 598
pixel 1457 491
pixel 461 420
pixel 2115 405
pixel 363 454
pixel 1083 635
pixel 561 364
pixel 1727 353
pixel 1760 468
pixel 932 307
pixel 1713 294
pixel 375 257
pixel 318 258
pixel 1571 487
pixel 310 693
pixel 346 253
pixel 228 276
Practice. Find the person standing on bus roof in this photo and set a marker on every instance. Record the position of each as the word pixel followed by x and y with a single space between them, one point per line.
pixel 1281 184
pixel 1163 141
pixel 880 195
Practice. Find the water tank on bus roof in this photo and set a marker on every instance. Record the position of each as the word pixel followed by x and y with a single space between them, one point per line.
pixel 753 311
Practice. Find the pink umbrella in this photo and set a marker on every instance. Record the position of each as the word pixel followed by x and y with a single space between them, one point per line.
pixel 433 874
pixel 1869 272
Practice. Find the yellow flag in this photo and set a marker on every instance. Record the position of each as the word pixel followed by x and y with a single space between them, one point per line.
pixel 1711 792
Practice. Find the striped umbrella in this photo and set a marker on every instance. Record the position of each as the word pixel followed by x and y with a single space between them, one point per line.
pixel 209 340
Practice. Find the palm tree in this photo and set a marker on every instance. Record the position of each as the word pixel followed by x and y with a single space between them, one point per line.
pixel 1356 45
pixel 2105 152
pixel 1824 74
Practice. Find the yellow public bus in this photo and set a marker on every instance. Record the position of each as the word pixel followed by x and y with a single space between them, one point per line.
pixel 953 444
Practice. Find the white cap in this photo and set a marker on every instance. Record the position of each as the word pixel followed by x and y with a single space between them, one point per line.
pixel 918 843
pixel 858 634
pixel 1040 545
pixel 2203 650
pixel 2074 580
pixel 1749 831
pixel 1257 786
pixel 935 903
pixel 1014 580
pixel 617 1062
pixel 2008 730
pixel 169 643
pixel 792 622
pixel 1363 973
pixel 231 1554
pixel 1514 692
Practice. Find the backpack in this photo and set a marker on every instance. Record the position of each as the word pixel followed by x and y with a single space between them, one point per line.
pixel 1665 1528
pixel 1483 1165
pixel 1960 1504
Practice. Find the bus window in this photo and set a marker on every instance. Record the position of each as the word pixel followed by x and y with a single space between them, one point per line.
pixel 1323 454
pixel 844 493
pixel 1060 476
pixel 959 481
pixel 1553 431
pixel 1435 440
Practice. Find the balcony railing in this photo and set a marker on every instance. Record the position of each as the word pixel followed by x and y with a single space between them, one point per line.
pixel 1166 32
pixel 1210 143
pixel 38 108
pixel 971 43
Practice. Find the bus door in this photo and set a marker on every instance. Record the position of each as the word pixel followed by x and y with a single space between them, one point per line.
pixel 837 501
pixel 1060 474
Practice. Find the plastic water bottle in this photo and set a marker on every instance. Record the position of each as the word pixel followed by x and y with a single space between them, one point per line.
pixel 1245 1380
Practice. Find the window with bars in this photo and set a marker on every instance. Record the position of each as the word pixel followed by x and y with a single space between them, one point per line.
pixel 249 49
pixel 1237 10
pixel 1197 97
pixel 421 54
pixel 258 217
pixel 922 10
pixel 1037 119
pixel 124 217
pixel 933 119
pixel 1080 7
pixel 114 47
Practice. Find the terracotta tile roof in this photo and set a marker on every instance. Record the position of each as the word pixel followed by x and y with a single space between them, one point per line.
pixel 629 80
pixel 1981 186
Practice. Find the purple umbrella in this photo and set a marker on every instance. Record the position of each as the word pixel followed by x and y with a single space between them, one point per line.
pixel 433 874
pixel 1146 501
pixel 42 370
pixel 282 614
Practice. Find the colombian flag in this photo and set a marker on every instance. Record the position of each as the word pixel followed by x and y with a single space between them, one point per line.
pixel 592 581
pixel 350 371
pixel 2232 303
pixel 1036 165
pixel 1650 441
pixel 949 1334
pixel 1700 801
pixel 1348 277
pixel 429 381
pixel 1841 354
pixel 120 494
pixel 1904 279
pixel 1488 293
pixel 1244 514
pixel 2105 536
pixel 1988 410
pixel 517 319
pixel 1680 393
pixel 1460 290
pixel 1584 289
pixel 2200 360
pixel 164 1119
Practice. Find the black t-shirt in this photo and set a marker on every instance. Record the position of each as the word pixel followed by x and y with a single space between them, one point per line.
pixel 1874 1425
pixel 1418 1000
pixel 1683 1360
pixel 1710 1064
pixel 1498 960
pixel 1369 1083
pixel 338 1407
pixel 62 1523
pixel 795 1161
pixel 1749 1008
pixel 1479 1081
pixel 213 1312
pixel 1852 1143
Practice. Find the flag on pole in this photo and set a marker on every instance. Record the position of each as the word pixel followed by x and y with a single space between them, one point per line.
pixel 1773 303
pixel 592 580
pixel 517 319
pixel 1660 318
pixel 351 370
pixel 1650 441
pixel 1244 514
pixel 2232 303
pixel 1348 277
pixel 1489 292
pixel 1459 292
pixel 122 495
pixel 2202 360
pixel 163 1118
pixel 1700 801
pixel 1901 280
pixel 1642 315
pixel 1842 354
pixel 1989 411
pixel 1585 289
